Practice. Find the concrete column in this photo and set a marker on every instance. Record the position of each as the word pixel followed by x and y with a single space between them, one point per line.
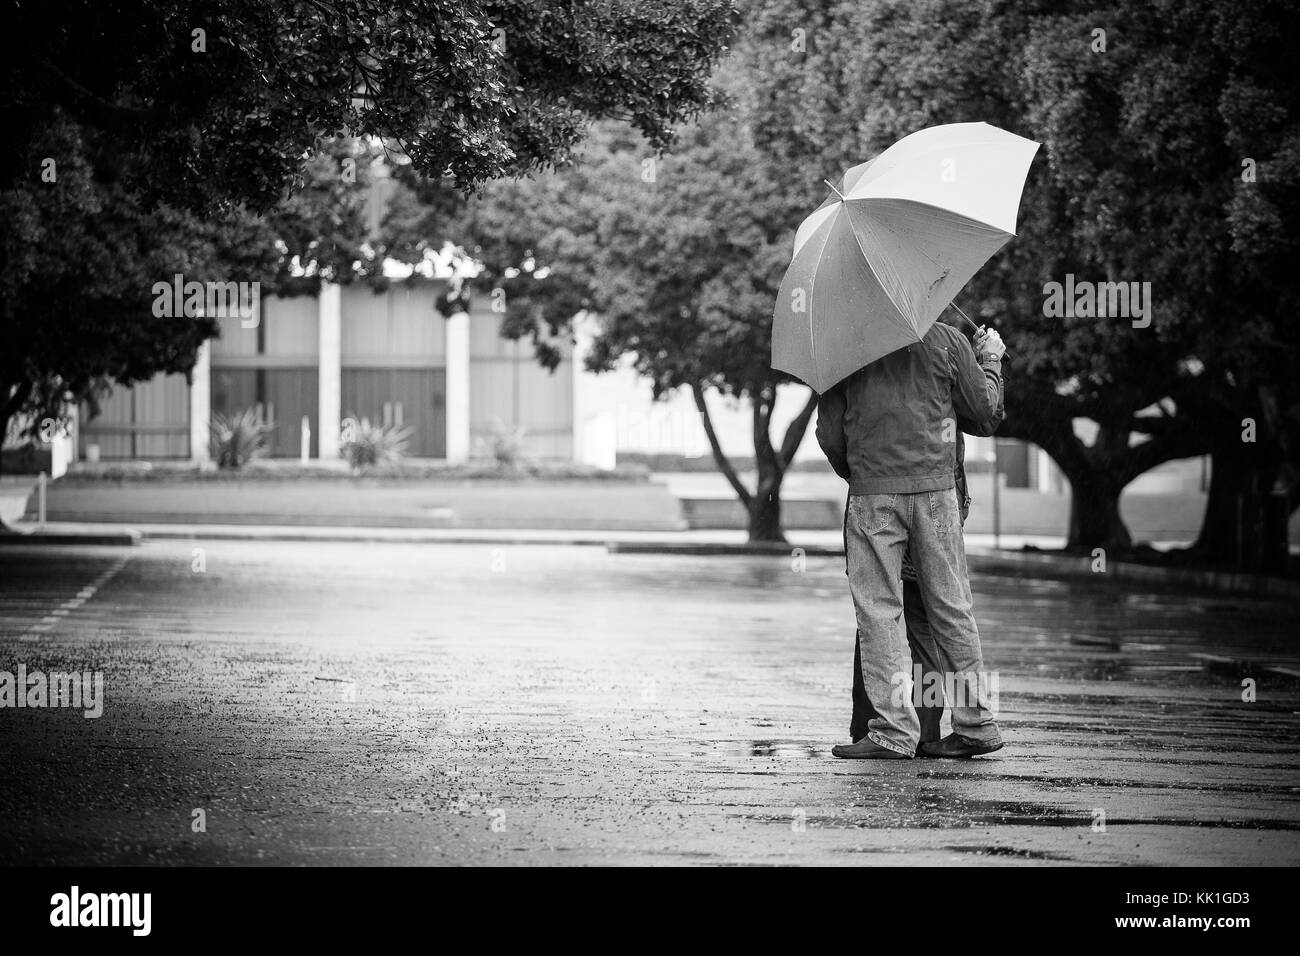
pixel 595 425
pixel 458 435
pixel 330 371
pixel 63 449
pixel 201 405
pixel 1046 477
pixel 577 362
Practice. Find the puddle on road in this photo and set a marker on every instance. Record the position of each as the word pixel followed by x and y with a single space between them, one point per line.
pixel 1091 640
pixel 932 809
pixel 1014 852
pixel 779 748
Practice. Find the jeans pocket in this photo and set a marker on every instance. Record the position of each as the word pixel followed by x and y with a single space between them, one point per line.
pixel 871 513
pixel 944 511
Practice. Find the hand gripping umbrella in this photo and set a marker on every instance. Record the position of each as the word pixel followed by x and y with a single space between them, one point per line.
pixel 878 262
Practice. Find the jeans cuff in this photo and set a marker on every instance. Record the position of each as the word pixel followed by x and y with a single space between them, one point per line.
pixel 879 739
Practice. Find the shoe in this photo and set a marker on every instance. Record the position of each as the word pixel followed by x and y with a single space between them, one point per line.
pixel 866 750
pixel 957 746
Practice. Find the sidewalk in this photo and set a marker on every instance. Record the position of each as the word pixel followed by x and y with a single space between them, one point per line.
pixel 667 502
pixel 371 503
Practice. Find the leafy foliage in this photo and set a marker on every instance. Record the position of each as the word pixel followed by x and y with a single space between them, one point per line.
pixel 82 255
pixel 238 439
pixel 1139 180
pixel 503 444
pixel 676 258
pixel 475 90
pixel 169 123
pixel 367 445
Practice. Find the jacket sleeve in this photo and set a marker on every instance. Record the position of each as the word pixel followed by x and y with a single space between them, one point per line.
pixel 830 430
pixel 977 392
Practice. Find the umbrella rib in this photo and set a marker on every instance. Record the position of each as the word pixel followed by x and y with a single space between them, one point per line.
pixel 812 281
pixel 911 329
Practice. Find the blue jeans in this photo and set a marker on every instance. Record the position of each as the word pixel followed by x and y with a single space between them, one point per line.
pixel 920 641
pixel 878 530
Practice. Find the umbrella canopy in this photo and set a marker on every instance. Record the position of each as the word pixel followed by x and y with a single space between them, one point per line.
pixel 876 264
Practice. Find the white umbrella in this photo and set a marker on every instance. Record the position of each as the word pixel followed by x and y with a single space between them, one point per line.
pixel 878 262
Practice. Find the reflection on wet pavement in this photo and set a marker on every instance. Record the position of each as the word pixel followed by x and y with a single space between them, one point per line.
pixel 395 703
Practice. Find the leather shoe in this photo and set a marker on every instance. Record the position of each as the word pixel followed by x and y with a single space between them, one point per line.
pixel 866 750
pixel 957 746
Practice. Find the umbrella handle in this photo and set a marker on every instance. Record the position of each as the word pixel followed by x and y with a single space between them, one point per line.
pixel 1005 351
pixel 978 328
pixel 957 309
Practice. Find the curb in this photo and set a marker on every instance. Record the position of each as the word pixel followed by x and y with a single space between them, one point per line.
pixel 1021 564
pixel 126 538
pixel 412 536
pixel 723 549
pixel 1244 667
pixel 1071 567
pixel 349 523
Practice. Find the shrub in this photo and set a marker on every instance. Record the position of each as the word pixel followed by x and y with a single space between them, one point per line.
pixel 367 446
pixel 239 438
pixel 503 444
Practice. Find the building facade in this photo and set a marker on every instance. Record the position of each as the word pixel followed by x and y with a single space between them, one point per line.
pixel 307 364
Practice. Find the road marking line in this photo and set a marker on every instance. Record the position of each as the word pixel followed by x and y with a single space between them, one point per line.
pixel 71 604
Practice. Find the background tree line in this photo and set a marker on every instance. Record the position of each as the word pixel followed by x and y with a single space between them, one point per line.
pixel 1170 156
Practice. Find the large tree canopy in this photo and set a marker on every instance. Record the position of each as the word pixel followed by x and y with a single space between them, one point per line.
pixel 677 259
pixel 1147 113
pixel 1149 116
pixel 227 97
pixel 142 137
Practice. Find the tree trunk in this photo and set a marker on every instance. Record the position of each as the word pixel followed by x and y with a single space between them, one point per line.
pixel 1219 540
pixel 765 514
pixel 5 415
pixel 1246 521
pixel 1095 521
pixel 763 505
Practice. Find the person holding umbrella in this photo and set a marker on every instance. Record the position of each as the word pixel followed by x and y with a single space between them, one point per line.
pixel 873 269
pixel 920 635
pixel 883 429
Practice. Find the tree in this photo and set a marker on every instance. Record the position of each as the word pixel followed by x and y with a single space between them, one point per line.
pixel 228 96
pixel 1143 129
pixel 81 257
pixel 141 139
pixel 1254 345
pixel 677 258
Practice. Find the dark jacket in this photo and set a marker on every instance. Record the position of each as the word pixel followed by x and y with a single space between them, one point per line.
pixel 893 426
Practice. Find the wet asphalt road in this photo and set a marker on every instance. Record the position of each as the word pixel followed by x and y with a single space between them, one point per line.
pixel 412 704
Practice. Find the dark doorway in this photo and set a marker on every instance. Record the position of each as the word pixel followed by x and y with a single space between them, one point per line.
pixel 282 397
pixel 411 397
